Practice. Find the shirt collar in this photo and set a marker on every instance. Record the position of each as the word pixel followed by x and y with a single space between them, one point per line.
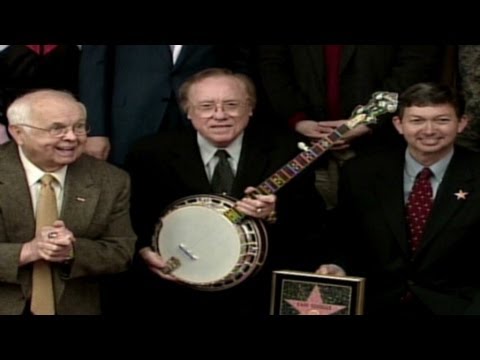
pixel 413 167
pixel 34 173
pixel 208 150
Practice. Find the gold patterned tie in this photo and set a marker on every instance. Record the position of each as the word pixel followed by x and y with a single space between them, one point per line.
pixel 43 299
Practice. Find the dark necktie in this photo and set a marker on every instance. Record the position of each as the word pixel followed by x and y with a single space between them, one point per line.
pixel 222 178
pixel 43 300
pixel 419 205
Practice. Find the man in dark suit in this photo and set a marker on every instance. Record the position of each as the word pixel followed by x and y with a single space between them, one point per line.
pixel 131 91
pixel 315 88
pixel 167 167
pixel 92 236
pixel 415 238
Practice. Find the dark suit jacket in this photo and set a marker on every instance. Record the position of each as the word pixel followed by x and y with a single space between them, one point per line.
pixel 443 274
pixel 127 89
pixel 167 167
pixel 101 225
pixel 294 77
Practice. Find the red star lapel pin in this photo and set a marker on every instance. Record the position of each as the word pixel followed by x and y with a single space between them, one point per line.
pixel 461 195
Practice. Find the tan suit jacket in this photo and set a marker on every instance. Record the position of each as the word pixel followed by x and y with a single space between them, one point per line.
pixel 95 208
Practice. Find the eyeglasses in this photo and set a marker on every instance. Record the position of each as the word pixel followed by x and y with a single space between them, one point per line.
pixel 232 108
pixel 59 130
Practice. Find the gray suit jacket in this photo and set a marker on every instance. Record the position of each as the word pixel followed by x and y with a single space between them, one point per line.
pixel 95 208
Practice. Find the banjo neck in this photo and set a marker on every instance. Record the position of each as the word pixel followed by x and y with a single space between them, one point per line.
pixel 293 168
pixel 300 162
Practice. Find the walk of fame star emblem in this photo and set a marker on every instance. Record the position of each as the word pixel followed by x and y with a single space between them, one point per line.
pixel 461 195
pixel 314 305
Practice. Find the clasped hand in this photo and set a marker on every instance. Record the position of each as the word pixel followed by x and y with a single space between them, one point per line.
pixel 53 243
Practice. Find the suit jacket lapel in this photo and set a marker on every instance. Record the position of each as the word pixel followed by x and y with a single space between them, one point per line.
pixel 317 55
pixel 162 54
pixel 389 188
pixel 189 163
pixel 252 164
pixel 80 199
pixel 458 177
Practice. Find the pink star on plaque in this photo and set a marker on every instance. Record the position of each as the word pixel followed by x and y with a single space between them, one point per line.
pixel 314 305
pixel 461 194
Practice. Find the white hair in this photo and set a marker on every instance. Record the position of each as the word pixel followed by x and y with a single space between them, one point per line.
pixel 20 111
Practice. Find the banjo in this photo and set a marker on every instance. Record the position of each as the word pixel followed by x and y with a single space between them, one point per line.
pixel 211 246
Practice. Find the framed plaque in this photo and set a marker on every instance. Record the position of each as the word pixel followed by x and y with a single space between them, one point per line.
pixel 302 293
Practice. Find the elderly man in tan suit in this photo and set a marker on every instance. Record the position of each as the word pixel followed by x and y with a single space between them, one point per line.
pixel 92 235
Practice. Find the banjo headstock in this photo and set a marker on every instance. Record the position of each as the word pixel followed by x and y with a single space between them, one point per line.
pixel 381 102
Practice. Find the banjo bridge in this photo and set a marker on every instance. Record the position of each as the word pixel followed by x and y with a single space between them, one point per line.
pixel 188 252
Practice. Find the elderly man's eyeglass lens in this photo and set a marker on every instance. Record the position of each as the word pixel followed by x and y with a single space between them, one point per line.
pixel 232 108
pixel 59 130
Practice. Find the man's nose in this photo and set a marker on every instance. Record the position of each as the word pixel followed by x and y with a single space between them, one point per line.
pixel 429 127
pixel 219 112
pixel 69 134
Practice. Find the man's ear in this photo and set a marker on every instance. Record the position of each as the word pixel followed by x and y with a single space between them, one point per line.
pixel 16 133
pixel 463 123
pixel 397 122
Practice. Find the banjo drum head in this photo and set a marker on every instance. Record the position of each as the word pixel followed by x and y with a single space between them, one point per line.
pixel 205 242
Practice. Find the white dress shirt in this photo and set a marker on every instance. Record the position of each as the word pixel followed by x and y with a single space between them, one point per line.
pixel 34 174
pixel 208 150
pixel 175 52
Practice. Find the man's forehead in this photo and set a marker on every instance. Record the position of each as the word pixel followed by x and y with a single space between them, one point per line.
pixel 217 83
pixel 429 109
pixel 51 110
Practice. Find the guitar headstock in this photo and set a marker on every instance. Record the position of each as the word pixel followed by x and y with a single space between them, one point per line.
pixel 380 103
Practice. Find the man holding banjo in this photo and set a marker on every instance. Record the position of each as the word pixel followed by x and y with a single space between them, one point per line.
pixel 211 248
